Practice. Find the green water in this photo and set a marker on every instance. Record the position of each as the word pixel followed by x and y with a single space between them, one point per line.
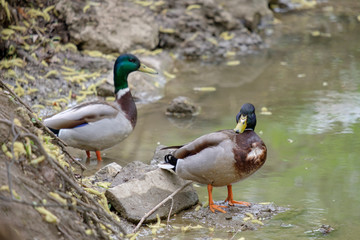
pixel 311 87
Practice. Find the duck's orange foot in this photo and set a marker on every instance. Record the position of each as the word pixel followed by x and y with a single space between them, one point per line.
pixel 98 156
pixel 214 207
pixel 232 202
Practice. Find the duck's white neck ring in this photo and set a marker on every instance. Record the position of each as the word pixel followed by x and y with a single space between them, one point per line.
pixel 122 92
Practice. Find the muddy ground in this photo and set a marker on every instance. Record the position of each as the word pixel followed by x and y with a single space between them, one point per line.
pixel 236 218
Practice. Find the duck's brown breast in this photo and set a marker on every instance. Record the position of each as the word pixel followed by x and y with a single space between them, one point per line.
pixel 249 153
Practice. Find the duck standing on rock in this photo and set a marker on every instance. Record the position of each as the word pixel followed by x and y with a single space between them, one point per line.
pixel 221 158
pixel 97 125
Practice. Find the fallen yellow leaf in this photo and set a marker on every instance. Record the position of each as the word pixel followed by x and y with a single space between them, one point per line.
pixel 233 63
pixel 49 217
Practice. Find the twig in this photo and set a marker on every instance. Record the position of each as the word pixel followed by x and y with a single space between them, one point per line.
pixel 64 232
pixel 101 233
pixel 159 205
pixel 17 98
pixel 107 225
pixel 31 192
pixel 9 165
pixel 28 57
pixel 235 234
pixel 172 204
pixel 86 207
pixel 33 204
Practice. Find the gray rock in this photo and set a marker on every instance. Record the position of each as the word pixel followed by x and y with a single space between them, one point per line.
pixel 282 6
pixel 219 15
pixel 249 10
pixel 134 198
pixel 109 26
pixel 182 107
pixel 159 154
pixel 105 90
pixel 197 33
pixel 134 170
pixel 106 174
pixel 109 172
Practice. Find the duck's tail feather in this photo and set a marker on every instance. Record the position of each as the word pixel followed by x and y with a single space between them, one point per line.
pixel 55 131
pixel 166 166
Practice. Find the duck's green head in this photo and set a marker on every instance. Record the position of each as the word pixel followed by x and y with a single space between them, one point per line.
pixel 246 118
pixel 125 64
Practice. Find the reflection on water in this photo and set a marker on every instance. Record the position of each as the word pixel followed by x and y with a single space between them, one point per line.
pixel 311 86
pixel 330 111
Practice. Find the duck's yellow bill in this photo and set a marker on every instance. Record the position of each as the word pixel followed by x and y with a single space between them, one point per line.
pixel 146 69
pixel 240 127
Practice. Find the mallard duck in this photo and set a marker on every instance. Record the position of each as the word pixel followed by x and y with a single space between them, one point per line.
pixel 97 125
pixel 221 158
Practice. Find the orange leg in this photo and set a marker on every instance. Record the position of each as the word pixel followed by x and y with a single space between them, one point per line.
pixel 98 155
pixel 88 154
pixel 212 206
pixel 230 198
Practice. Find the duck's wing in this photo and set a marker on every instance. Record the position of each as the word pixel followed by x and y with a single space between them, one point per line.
pixel 172 147
pixel 81 114
pixel 201 143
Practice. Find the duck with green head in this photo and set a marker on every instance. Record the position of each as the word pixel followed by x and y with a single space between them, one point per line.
pixel 97 125
pixel 221 158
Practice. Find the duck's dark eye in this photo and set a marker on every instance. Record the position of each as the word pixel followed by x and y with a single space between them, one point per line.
pixel 132 60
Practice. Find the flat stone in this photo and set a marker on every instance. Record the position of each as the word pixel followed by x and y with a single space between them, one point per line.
pixel 134 170
pixel 134 198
